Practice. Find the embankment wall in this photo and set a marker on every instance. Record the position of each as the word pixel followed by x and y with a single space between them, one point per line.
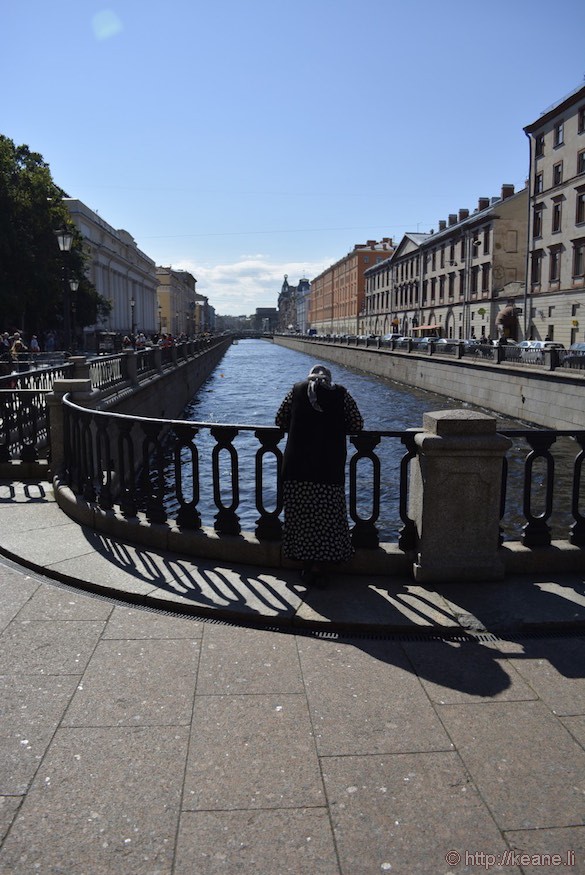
pixel 550 399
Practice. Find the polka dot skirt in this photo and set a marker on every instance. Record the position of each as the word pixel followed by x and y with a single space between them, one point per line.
pixel 315 522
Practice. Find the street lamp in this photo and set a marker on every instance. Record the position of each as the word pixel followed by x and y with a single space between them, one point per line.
pixel 159 319
pixel 65 239
pixel 132 305
pixel 73 285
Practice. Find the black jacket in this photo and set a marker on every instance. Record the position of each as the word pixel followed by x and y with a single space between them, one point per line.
pixel 317 445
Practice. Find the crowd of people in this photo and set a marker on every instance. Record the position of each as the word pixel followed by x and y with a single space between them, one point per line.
pixel 13 350
pixel 141 341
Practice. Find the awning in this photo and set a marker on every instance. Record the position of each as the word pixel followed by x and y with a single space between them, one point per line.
pixel 426 328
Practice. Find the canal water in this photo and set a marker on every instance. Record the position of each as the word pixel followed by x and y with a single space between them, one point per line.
pixel 247 388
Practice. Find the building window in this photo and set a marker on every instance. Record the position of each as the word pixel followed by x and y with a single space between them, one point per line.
pixel 442 288
pixel 473 283
pixel 556 216
pixel 579 258
pixel 558 136
pixel 581 162
pixel 537 220
pixel 557 173
pixel 442 262
pixel 554 261
pixel 539 145
pixel 461 283
pixel 462 250
pixel 451 286
pixel 486 241
pixel 580 208
pixel 434 260
pixel 485 278
pixel 433 288
pixel 538 183
pixel 536 267
pixel 581 120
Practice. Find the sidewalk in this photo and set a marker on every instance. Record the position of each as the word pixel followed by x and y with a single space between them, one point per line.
pixel 134 741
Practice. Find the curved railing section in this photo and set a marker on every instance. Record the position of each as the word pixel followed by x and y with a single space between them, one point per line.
pixel 186 472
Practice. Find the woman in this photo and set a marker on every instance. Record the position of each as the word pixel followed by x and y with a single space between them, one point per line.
pixel 317 415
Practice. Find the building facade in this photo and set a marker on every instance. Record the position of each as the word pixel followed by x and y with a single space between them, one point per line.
pixel 380 315
pixel 555 287
pixel 464 280
pixel 120 272
pixel 180 309
pixel 266 319
pixel 293 306
pixel 337 299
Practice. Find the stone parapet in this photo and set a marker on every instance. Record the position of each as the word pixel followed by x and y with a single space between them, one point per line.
pixel 455 489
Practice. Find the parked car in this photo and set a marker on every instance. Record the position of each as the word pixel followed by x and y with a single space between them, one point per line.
pixel 534 350
pixel 575 356
pixel 390 337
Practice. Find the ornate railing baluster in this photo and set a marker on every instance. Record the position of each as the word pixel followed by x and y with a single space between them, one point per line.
pixel 268 525
pixel 227 521
pixel 153 475
pixel 4 426
pixel 407 536
pixel 503 492
pixel 126 469
pixel 87 459
pixel 537 530
pixel 364 532
pixel 578 528
pixel 104 463
pixel 75 472
pixel 188 516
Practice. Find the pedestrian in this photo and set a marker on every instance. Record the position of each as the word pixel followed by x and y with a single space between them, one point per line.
pixel 34 345
pixel 317 414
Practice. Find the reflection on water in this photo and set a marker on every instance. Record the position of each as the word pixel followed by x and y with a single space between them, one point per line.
pixel 249 384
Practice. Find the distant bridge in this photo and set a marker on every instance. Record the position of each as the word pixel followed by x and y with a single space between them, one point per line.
pixel 252 335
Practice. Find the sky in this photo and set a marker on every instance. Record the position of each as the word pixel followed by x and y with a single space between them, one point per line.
pixel 243 141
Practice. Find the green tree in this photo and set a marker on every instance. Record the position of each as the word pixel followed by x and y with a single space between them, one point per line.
pixel 31 263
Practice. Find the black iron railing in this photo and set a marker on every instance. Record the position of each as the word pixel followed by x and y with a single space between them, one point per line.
pixel 23 419
pixel 37 378
pixel 24 431
pixel 194 471
pixel 551 359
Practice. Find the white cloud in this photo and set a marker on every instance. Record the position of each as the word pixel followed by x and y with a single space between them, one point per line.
pixel 253 281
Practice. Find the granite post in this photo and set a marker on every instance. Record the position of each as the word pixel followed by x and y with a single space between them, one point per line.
pixel 454 497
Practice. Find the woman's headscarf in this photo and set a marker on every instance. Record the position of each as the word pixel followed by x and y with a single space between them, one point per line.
pixel 319 375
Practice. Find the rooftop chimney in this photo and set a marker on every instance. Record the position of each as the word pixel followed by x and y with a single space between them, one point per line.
pixel 483 203
pixel 507 191
pixel 452 219
pixel 442 224
pixel 463 214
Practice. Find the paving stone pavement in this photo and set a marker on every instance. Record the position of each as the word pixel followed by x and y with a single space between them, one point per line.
pixel 138 741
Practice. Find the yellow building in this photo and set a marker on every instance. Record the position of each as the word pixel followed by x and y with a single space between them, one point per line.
pixel 181 310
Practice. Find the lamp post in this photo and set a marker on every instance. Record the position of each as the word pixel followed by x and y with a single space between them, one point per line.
pixel 132 305
pixel 73 285
pixel 65 239
pixel 159 319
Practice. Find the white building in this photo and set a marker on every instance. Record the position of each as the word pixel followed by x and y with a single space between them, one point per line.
pixel 120 272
